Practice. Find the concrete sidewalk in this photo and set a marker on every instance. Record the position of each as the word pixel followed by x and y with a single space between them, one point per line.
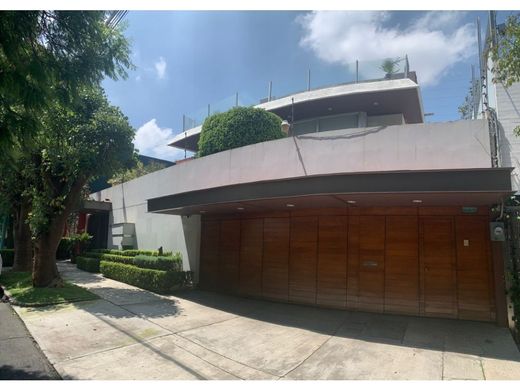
pixel 20 356
pixel 135 334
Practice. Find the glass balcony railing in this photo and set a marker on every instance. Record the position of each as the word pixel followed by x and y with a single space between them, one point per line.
pixel 355 72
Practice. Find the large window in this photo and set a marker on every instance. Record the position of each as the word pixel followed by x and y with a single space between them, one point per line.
pixel 326 123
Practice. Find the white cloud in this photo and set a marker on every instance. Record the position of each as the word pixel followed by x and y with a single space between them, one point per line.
pixel 433 43
pixel 152 140
pixel 160 68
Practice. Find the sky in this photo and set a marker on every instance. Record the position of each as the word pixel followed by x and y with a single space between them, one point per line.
pixel 186 60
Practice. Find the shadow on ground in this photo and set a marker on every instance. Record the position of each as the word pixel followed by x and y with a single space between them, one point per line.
pixel 10 373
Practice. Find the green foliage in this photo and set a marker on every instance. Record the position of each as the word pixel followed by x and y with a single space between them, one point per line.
pixel 148 279
pixel 75 145
pixel 22 292
pixel 139 170
pixel 390 65
pixel 110 257
pixel 87 264
pixel 238 127
pixel 467 108
pixel 130 252
pixel 7 257
pixel 506 54
pixel 47 56
pixel 172 263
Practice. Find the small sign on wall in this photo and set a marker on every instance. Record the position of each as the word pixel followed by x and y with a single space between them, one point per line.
pixel 466 242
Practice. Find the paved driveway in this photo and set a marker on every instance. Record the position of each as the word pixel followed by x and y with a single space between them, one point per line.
pixel 134 334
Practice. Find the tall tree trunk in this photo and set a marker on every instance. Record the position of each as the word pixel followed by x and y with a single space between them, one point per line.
pixel 23 254
pixel 45 271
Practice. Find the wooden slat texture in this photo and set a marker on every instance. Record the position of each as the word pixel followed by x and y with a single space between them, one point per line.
pixel 473 287
pixel 209 248
pixel 438 276
pixel 353 262
pixel 229 255
pixel 371 273
pixel 402 265
pixel 275 263
pixel 303 259
pixel 332 261
pixel 251 248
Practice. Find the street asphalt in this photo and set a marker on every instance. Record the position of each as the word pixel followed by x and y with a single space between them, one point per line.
pixel 20 356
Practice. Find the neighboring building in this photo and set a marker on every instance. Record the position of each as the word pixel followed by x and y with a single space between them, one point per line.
pixel 364 207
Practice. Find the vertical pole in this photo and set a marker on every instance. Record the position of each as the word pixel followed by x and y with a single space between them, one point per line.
pixel 308 79
pixel 473 92
pixel 185 135
pixel 406 66
pixel 209 109
pixel 357 71
pixel 292 117
pixel 236 99
pixel 183 122
pixel 481 68
pixel 270 91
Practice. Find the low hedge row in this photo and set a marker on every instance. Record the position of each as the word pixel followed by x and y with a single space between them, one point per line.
pixel 87 264
pixel 130 252
pixel 171 263
pixel 7 257
pixel 110 257
pixel 148 279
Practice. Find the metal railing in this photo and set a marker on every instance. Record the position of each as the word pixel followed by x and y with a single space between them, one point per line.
pixel 318 78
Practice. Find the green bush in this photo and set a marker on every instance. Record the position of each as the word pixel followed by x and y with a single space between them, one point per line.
pixel 129 252
pixel 238 127
pixel 7 257
pixel 165 263
pixel 110 257
pixel 148 279
pixel 87 264
pixel 64 250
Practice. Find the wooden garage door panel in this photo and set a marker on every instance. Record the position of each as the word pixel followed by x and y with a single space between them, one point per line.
pixel 209 247
pixel 353 262
pixel 251 247
pixel 303 259
pixel 229 255
pixel 438 270
pixel 371 285
pixel 402 265
pixel 473 279
pixel 275 261
pixel 332 261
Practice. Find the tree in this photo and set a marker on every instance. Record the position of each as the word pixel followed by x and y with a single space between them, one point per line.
pixel 139 170
pixel 16 202
pixel 238 127
pixel 506 53
pixel 75 145
pixel 49 55
pixel 389 66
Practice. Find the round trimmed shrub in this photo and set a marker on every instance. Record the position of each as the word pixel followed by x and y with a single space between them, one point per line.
pixel 238 127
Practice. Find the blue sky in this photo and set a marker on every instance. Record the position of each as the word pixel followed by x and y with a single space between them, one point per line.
pixel 186 60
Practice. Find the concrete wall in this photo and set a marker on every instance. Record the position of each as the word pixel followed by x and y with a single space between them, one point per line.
pixel 508 112
pixel 450 145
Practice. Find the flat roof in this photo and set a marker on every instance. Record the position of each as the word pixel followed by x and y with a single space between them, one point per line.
pixel 375 98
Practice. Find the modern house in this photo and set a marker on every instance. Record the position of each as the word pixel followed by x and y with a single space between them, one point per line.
pixel 364 206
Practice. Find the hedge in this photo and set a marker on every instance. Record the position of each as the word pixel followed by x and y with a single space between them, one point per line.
pixel 164 263
pixel 87 264
pixel 148 279
pixel 130 252
pixel 110 257
pixel 7 257
pixel 238 127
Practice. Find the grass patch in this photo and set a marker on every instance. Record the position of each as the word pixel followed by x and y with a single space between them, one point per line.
pixel 20 288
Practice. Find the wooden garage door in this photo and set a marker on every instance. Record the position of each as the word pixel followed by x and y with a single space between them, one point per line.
pixel 473 276
pixel 402 265
pixel 209 247
pixel 251 248
pixel 303 259
pixel 438 267
pixel 275 265
pixel 332 261
pixel 229 255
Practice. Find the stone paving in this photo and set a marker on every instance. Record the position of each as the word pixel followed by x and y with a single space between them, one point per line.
pixel 134 334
